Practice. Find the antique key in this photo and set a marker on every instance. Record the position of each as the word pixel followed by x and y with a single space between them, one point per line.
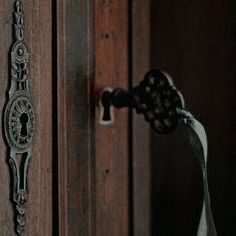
pixel 155 97
pixel 162 105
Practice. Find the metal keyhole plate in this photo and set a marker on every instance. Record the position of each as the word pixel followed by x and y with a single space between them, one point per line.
pixel 20 120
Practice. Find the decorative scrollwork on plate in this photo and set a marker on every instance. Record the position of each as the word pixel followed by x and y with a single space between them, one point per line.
pixel 20 195
pixel 20 120
pixel 20 58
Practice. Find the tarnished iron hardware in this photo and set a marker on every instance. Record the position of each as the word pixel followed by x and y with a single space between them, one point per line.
pixel 19 119
pixel 155 97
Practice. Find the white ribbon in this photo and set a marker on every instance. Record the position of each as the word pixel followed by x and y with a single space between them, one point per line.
pixel 198 140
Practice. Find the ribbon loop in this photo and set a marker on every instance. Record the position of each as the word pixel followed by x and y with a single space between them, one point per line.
pixel 198 141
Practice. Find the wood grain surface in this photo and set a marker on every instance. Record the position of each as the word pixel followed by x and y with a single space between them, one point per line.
pixel 38 34
pixel 90 153
pixel 112 142
pixel 75 81
pixel 140 34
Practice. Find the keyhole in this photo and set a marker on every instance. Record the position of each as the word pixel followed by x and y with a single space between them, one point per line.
pixel 106 116
pixel 24 120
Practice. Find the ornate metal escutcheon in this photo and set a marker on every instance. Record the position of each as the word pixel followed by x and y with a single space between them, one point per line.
pixel 19 119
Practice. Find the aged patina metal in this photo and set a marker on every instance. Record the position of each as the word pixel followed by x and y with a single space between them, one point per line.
pixel 155 97
pixel 19 119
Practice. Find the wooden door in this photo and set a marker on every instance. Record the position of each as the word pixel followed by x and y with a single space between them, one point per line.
pixel 89 179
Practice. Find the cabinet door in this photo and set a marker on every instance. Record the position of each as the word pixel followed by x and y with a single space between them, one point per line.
pixel 38 38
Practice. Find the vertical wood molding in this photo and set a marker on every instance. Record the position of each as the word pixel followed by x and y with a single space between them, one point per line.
pixel 141 133
pixel 85 159
pixel 75 116
pixel 112 142
pixel 38 34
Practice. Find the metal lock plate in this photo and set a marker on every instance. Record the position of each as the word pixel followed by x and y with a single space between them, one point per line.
pixel 20 121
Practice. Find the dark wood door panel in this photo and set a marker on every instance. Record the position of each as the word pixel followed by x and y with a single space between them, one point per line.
pixel 141 161
pixel 195 42
pixel 38 34
pixel 112 141
pixel 75 82
pixel 93 159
